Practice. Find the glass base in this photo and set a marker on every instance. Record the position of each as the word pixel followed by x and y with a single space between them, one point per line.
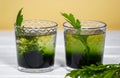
pixel 37 70
pixel 70 69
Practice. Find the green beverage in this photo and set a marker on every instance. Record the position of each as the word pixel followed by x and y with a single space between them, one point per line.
pixel 36 51
pixel 84 46
pixel 35 43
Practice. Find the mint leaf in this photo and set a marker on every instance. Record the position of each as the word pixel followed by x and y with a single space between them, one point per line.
pixel 19 18
pixel 74 74
pixel 94 71
pixel 77 24
pixel 71 19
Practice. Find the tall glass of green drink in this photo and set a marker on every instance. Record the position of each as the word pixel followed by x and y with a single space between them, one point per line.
pixel 85 45
pixel 35 43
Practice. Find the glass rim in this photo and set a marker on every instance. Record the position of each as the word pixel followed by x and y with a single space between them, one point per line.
pixel 100 22
pixel 51 26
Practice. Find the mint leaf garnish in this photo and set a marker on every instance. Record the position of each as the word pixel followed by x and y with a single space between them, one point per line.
pixel 77 24
pixel 19 18
pixel 71 19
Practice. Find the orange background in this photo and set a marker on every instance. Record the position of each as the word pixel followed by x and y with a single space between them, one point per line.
pixel 107 11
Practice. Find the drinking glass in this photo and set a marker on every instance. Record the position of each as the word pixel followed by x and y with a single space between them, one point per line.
pixel 84 46
pixel 35 45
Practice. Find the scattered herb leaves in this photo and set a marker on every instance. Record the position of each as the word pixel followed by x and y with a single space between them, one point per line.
pixel 96 71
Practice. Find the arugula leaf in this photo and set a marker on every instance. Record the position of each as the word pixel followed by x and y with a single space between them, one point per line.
pixel 71 19
pixel 19 18
pixel 96 71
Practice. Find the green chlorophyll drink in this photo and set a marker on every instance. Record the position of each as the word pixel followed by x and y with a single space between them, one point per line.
pixel 35 43
pixel 36 51
pixel 84 47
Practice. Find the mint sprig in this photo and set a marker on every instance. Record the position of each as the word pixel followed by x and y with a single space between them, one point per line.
pixel 97 71
pixel 71 19
pixel 19 18
pixel 77 25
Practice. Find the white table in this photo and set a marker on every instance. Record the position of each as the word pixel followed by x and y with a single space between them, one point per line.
pixel 8 60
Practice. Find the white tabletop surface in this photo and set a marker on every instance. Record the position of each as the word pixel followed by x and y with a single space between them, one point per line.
pixel 8 58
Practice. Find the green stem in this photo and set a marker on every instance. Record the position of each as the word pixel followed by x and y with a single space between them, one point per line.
pixel 87 53
pixel 83 39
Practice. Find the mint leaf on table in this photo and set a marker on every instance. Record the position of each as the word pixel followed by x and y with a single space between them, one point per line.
pixel 71 19
pixel 19 18
pixel 96 71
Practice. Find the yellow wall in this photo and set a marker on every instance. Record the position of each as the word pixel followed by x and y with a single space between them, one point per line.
pixel 103 10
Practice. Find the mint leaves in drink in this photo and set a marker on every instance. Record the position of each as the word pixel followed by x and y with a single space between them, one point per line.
pixel 71 19
pixel 77 25
pixel 19 18
pixel 18 23
pixel 34 49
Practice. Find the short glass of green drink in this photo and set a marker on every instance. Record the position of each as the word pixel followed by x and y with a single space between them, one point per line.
pixel 85 45
pixel 35 44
